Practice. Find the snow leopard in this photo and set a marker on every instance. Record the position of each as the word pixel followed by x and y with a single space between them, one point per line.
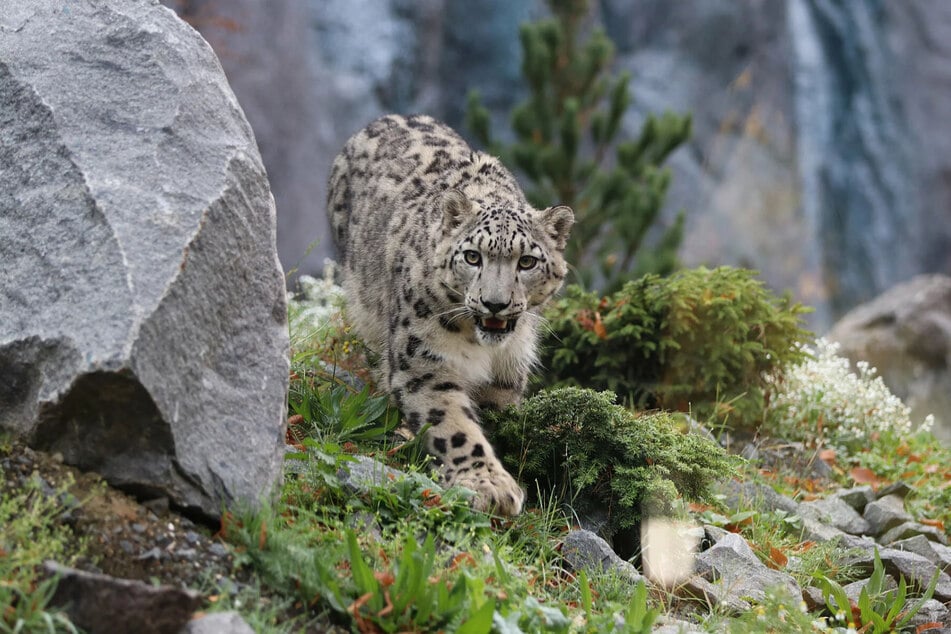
pixel 446 269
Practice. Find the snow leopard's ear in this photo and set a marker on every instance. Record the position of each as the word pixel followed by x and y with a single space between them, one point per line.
pixel 455 208
pixel 557 221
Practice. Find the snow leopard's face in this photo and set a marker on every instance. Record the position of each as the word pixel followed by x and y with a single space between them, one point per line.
pixel 502 263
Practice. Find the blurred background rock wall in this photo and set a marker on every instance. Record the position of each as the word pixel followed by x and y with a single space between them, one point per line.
pixel 821 153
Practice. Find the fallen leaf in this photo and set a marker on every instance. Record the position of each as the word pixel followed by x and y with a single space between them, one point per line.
pixel 827 456
pixel 924 627
pixel 864 475
pixel 936 523
pixel 777 558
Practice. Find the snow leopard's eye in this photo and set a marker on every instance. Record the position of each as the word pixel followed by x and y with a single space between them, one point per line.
pixel 527 262
pixel 472 258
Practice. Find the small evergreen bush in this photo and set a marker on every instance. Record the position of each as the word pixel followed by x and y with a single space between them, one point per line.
pixel 596 455
pixel 698 340
pixel 568 152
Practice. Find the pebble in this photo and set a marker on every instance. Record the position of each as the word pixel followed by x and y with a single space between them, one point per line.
pixel 218 549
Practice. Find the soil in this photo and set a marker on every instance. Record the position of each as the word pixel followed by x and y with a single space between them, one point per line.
pixel 123 537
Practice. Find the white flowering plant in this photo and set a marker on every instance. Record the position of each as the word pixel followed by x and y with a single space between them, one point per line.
pixel 821 401
pixel 320 334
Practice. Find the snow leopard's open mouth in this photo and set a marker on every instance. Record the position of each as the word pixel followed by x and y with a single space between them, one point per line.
pixel 495 325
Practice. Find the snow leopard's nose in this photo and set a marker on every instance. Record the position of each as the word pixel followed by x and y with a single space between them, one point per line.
pixel 495 307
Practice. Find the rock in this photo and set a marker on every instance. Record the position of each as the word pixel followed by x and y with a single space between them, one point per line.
pixel 910 529
pixel 905 334
pixel 835 512
pixel 735 571
pixel 741 495
pixel 714 595
pixel 102 605
pixel 917 544
pixel 931 611
pixel 218 623
pixel 886 513
pixel 854 590
pixel 916 570
pixel 856 497
pixel 365 473
pixel 142 306
pixel 583 550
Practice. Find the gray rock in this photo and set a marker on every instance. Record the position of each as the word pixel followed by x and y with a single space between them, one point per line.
pixel 218 623
pixel 918 544
pixel 910 529
pixel 837 513
pixel 854 590
pixel 944 556
pixel 734 570
pixel 713 595
pixel 916 570
pixel 905 333
pixel 856 497
pixel 583 550
pixel 886 513
pixel 100 604
pixel 142 306
pixel 365 473
pixel 743 495
pixel 931 611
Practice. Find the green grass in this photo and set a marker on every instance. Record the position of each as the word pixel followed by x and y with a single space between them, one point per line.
pixel 411 556
pixel 30 533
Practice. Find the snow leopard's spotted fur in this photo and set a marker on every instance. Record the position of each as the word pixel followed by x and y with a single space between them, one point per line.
pixel 446 267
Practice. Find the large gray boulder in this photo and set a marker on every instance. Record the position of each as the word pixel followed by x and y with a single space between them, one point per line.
pixel 906 334
pixel 142 308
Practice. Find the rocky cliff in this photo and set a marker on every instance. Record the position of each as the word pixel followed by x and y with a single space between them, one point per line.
pixel 820 156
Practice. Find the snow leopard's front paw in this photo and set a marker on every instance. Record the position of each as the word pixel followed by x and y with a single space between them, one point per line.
pixel 496 490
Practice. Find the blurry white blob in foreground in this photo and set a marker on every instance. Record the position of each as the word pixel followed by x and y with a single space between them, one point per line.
pixel 667 549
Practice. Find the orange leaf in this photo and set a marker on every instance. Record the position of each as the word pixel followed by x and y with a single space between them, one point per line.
pixel 262 537
pixel 903 449
pixel 777 558
pixel 386 579
pixel 924 627
pixel 864 475
pixel 827 455
pixel 462 558
pixel 936 523
pixel 599 328
pixel 296 419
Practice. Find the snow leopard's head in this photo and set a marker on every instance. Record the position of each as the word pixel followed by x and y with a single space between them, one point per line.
pixel 502 261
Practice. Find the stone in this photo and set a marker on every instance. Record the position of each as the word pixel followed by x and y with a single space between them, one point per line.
pixel 734 570
pixel 917 571
pixel 142 305
pixel 713 595
pixel 931 611
pixel 218 623
pixel 905 333
pixel 836 512
pixel 740 495
pixel 917 544
pixel 885 513
pixel 583 550
pixel 100 604
pixel 910 529
pixel 856 497
pixel 365 473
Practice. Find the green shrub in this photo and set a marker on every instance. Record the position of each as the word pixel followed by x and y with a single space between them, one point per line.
pixel 698 341
pixel 597 455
